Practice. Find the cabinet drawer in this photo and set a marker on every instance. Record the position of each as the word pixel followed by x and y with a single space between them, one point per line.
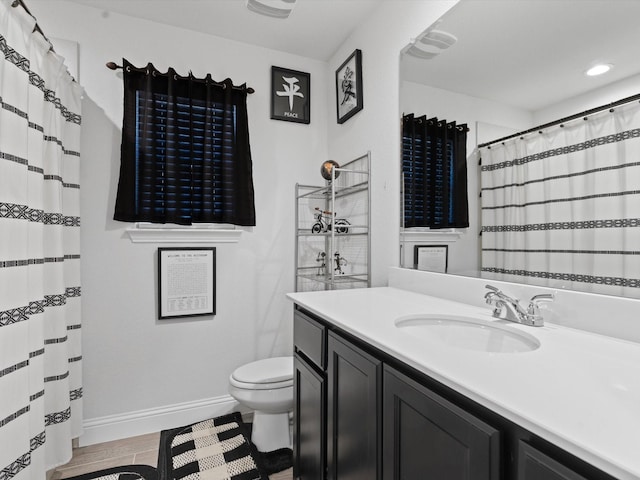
pixel 309 338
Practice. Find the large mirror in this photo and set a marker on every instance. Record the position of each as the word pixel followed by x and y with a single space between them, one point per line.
pixel 515 65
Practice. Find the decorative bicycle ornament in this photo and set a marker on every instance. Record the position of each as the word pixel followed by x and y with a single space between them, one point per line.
pixel 326 220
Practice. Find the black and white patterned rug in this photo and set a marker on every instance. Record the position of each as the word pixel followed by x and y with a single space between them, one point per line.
pixel 127 472
pixel 216 449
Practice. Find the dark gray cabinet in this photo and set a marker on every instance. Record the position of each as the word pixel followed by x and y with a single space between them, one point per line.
pixel 536 465
pixel 428 437
pixel 353 406
pixel 360 414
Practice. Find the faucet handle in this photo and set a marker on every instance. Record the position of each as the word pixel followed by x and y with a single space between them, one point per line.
pixel 489 296
pixel 493 292
pixel 549 297
pixel 496 292
pixel 535 301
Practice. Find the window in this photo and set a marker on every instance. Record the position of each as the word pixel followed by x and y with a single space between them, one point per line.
pixel 434 170
pixel 185 155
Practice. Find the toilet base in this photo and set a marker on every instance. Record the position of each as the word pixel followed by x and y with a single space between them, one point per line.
pixel 271 431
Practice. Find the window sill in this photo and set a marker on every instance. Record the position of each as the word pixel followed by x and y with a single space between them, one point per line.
pixel 419 235
pixel 183 235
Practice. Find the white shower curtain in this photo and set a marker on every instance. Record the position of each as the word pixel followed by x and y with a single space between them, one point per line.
pixel 563 205
pixel 40 357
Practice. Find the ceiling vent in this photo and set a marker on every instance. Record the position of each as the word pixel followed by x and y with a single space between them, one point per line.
pixel 272 8
pixel 430 44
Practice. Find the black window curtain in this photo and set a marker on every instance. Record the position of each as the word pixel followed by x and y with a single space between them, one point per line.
pixel 185 154
pixel 434 167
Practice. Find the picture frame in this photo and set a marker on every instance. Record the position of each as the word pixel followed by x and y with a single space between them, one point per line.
pixel 290 95
pixel 431 258
pixel 349 87
pixel 186 282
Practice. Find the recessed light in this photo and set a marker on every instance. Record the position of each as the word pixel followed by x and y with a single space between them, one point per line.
pixel 598 69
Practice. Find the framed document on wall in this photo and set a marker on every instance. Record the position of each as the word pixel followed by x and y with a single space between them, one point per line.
pixel 186 282
pixel 432 258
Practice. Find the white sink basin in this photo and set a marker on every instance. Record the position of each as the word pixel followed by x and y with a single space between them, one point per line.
pixel 468 333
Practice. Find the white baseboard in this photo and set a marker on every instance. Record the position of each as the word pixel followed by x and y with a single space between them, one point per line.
pixel 116 427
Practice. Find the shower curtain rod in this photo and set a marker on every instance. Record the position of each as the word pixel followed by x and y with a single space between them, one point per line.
pixel 565 119
pixel 114 66
pixel 37 28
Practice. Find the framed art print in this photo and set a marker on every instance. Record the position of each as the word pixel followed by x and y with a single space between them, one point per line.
pixel 186 282
pixel 349 87
pixel 290 95
pixel 432 258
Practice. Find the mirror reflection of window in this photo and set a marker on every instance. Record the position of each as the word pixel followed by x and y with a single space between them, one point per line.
pixel 434 168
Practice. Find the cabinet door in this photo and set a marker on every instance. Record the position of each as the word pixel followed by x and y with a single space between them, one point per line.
pixel 427 437
pixel 309 422
pixel 353 442
pixel 535 465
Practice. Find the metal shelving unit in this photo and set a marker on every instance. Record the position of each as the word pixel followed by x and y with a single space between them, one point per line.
pixel 333 244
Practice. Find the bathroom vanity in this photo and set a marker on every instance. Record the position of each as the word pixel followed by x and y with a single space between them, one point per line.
pixel 391 383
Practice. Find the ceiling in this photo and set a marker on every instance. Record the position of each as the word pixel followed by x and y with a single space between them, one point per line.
pixel 315 29
pixel 532 53
pixel 525 53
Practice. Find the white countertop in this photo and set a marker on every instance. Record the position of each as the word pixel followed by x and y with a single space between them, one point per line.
pixel 578 390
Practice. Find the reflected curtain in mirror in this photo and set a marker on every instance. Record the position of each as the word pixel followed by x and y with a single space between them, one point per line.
pixel 185 155
pixel 434 171
pixel 562 205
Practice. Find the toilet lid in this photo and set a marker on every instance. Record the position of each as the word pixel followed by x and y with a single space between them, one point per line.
pixel 268 371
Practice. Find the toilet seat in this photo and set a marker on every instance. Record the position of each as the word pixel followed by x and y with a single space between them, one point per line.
pixel 267 374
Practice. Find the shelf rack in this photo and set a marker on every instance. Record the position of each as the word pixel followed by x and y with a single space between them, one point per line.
pixel 335 252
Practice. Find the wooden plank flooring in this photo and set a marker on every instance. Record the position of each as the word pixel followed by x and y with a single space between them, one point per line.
pixel 142 449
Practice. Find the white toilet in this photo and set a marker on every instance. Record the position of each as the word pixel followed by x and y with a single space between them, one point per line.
pixel 266 386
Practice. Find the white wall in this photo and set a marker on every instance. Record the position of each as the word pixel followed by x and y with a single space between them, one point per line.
pixel 464 254
pixel 600 96
pixel 136 368
pixel 377 126
pixel 436 102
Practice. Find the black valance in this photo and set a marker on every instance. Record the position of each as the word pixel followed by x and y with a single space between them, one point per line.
pixel 185 153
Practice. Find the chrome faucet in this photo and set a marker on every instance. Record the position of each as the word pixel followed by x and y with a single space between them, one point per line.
pixel 509 308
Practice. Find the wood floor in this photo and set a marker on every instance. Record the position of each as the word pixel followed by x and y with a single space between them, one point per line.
pixel 135 450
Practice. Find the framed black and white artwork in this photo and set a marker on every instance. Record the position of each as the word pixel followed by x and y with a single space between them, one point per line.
pixel 290 95
pixel 349 87
pixel 186 282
